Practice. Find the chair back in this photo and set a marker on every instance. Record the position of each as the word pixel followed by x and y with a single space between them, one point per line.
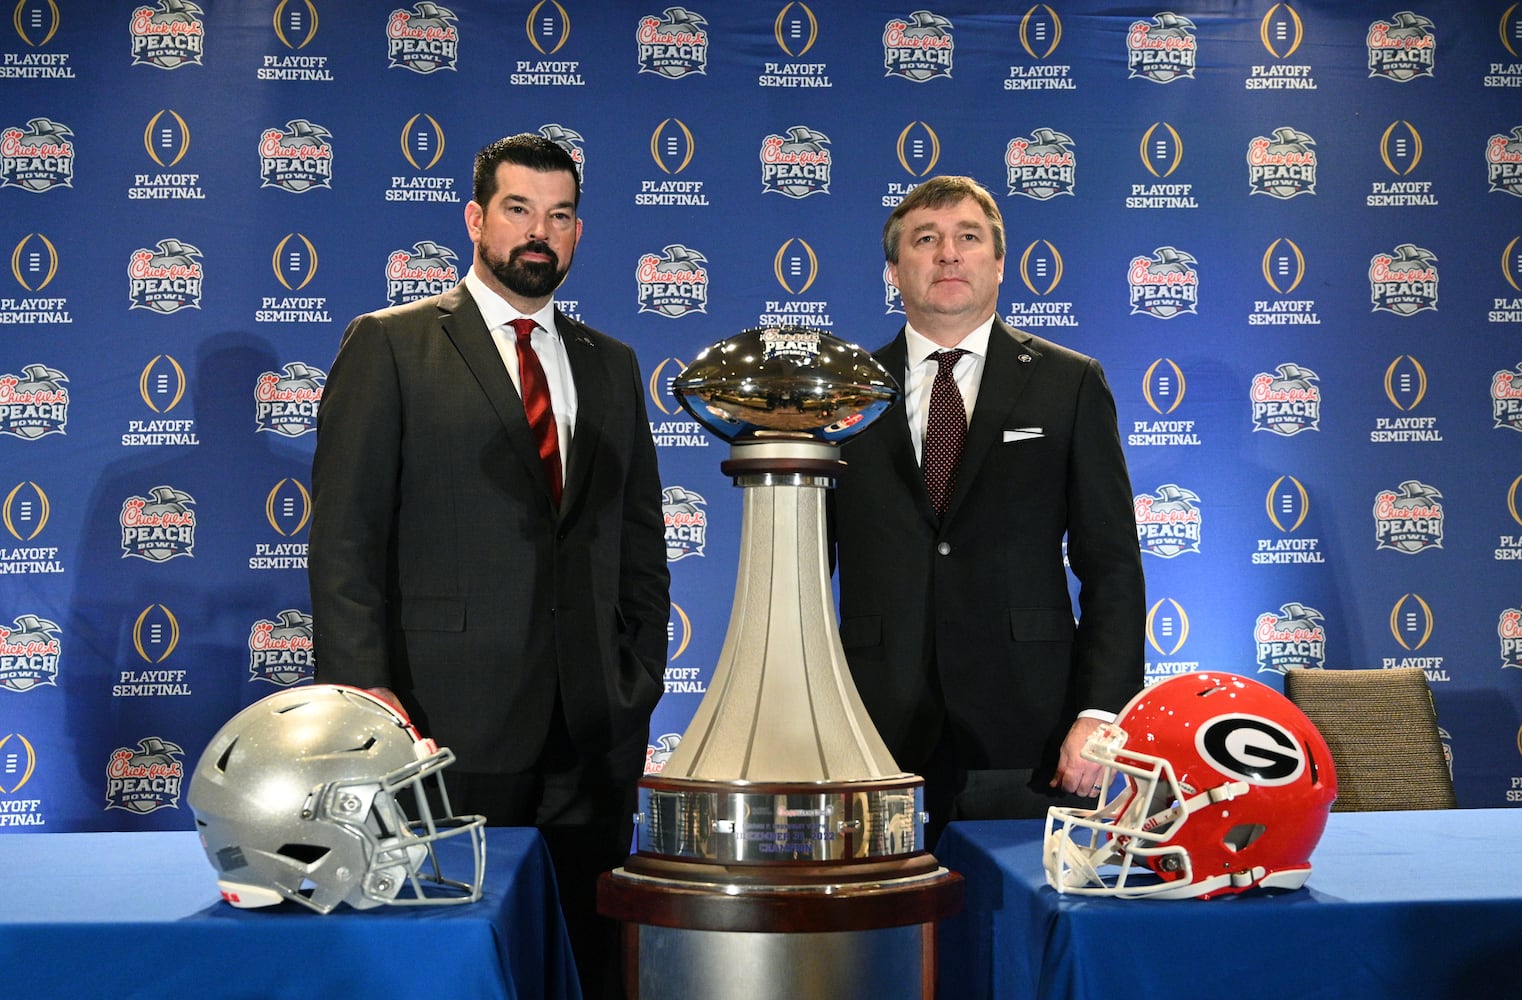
pixel 1381 726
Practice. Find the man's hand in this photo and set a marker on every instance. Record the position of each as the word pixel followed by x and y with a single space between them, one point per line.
pixel 1075 775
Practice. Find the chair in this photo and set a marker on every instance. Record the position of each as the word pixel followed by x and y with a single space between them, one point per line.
pixel 1381 726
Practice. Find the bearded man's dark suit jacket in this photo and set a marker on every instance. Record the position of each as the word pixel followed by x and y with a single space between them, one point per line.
pixel 968 623
pixel 440 567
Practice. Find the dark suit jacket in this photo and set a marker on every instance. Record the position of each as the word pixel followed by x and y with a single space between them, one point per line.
pixel 969 622
pixel 440 567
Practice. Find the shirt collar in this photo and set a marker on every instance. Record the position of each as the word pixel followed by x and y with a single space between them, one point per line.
pixel 496 310
pixel 921 347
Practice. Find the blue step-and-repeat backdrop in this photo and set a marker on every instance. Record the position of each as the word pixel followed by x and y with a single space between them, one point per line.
pixel 1292 232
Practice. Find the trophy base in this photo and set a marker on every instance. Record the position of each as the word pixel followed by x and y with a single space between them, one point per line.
pixel 780 890
pixel 884 963
pixel 715 939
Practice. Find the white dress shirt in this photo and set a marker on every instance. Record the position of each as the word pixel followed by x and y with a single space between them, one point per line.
pixel 920 375
pixel 546 341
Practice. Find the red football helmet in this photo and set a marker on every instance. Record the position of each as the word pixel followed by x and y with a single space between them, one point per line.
pixel 1227 786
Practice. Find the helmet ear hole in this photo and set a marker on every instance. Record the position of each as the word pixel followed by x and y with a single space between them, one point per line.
pixel 305 854
pixel 1240 837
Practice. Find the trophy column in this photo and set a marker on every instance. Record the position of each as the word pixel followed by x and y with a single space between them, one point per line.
pixel 780 850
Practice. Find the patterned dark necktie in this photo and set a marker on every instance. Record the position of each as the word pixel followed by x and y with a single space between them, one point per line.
pixel 535 389
pixel 945 430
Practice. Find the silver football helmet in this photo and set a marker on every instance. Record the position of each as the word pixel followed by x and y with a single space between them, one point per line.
pixel 317 795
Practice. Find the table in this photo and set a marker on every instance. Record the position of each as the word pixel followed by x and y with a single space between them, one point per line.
pixel 137 916
pixel 1399 904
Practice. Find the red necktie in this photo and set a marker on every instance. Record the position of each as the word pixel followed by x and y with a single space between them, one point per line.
pixel 535 389
pixel 945 430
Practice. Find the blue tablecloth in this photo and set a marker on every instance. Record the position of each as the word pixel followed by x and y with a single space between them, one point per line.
pixel 1399 905
pixel 91 916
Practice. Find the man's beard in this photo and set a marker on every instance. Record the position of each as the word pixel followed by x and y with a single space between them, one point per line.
pixel 531 279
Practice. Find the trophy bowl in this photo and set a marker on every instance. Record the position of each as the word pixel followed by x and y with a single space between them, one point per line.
pixel 785 380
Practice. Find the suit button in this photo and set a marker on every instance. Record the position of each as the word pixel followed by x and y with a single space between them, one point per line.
pixel 944 548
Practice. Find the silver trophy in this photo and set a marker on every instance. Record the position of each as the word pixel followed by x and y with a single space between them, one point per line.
pixel 780 849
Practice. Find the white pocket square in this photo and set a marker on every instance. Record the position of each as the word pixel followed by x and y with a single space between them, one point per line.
pixel 1023 433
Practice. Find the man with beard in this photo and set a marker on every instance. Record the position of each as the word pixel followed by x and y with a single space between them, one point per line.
pixel 487 546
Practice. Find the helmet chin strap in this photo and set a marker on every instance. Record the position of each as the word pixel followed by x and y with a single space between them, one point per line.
pixel 1223 792
pixel 1080 866
pixel 1191 890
